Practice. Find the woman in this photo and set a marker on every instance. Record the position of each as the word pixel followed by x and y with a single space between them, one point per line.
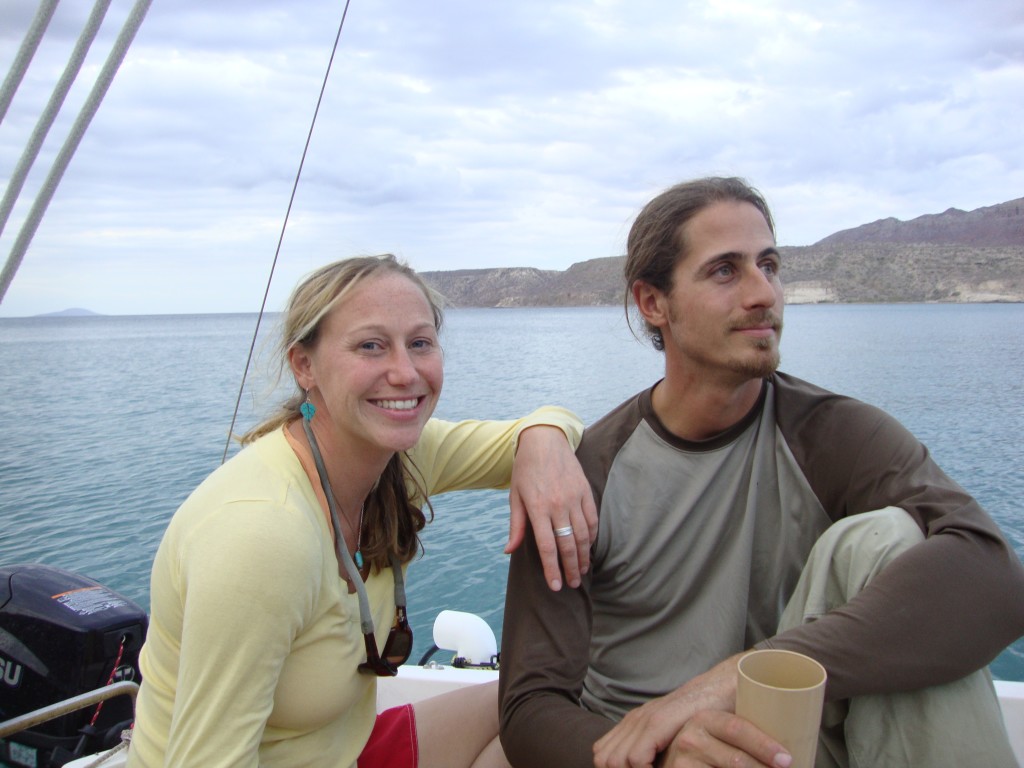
pixel 275 585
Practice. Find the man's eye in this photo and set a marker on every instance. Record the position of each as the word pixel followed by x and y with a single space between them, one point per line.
pixel 723 270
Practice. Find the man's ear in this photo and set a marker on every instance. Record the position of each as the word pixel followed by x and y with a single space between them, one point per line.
pixel 651 302
pixel 301 364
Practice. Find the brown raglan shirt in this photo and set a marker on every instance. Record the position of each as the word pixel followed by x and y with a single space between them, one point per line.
pixel 700 545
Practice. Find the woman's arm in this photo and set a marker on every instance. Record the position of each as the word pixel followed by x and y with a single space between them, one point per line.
pixel 538 465
pixel 549 488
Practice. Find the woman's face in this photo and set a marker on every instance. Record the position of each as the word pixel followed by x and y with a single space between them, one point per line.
pixel 377 365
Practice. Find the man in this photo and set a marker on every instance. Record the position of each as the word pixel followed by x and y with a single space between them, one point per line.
pixel 713 488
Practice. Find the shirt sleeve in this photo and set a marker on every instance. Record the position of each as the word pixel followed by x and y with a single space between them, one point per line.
pixel 944 608
pixel 247 586
pixel 545 650
pixel 470 454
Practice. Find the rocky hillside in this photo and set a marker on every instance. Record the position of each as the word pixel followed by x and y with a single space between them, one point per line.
pixel 593 283
pixel 993 227
pixel 956 256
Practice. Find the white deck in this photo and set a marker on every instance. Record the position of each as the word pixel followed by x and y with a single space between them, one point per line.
pixel 1011 698
pixel 415 683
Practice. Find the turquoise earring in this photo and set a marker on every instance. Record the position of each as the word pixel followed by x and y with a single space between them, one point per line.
pixel 307 408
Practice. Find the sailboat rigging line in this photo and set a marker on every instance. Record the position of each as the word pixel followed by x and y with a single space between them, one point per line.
pixel 29 46
pixel 74 138
pixel 49 113
pixel 284 225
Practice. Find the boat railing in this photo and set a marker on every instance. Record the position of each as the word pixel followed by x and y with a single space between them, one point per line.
pixel 67 706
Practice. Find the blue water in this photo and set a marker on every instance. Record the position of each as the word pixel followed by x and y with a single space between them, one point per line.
pixel 109 422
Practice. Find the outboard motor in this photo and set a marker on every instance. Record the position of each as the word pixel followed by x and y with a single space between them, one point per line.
pixel 62 635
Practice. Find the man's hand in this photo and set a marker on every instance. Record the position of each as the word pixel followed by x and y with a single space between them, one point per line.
pixel 549 487
pixel 712 738
pixel 693 726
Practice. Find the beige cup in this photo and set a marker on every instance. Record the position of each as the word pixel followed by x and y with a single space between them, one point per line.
pixel 782 692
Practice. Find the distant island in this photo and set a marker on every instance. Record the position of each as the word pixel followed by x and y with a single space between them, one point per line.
pixel 955 256
pixel 72 312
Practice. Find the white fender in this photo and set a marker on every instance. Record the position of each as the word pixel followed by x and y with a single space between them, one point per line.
pixel 467 634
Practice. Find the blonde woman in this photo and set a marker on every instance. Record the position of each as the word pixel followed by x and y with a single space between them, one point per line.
pixel 278 589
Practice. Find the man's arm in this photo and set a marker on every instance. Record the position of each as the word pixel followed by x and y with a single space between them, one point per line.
pixel 545 649
pixel 941 610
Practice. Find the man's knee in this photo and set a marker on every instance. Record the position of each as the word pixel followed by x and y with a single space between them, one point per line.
pixel 857 548
pixel 846 558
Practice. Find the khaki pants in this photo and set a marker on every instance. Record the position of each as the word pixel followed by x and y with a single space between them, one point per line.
pixel 957 724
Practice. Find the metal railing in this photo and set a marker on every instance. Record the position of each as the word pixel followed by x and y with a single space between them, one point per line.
pixel 67 706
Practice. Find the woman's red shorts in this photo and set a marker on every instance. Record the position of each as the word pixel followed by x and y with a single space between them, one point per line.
pixel 392 742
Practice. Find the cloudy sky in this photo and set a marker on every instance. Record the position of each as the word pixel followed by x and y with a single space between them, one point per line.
pixel 470 133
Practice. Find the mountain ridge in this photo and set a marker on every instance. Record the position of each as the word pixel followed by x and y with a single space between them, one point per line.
pixel 953 256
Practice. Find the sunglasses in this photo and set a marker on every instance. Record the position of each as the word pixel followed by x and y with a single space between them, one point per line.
pixel 398 646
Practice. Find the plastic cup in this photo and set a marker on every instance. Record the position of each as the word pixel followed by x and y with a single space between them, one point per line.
pixel 782 693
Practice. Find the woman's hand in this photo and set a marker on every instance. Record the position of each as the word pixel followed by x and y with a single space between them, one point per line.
pixel 549 487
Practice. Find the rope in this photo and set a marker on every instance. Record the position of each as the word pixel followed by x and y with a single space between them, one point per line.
pixel 28 49
pixel 60 164
pixel 104 757
pixel 49 114
pixel 280 239
pixel 113 672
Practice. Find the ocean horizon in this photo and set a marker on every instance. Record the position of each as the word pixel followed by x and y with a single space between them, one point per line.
pixel 113 419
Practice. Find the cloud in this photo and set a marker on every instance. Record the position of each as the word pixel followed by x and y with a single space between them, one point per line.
pixel 466 134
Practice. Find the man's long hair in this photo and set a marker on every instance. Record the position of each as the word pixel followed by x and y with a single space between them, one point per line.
pixel 657 239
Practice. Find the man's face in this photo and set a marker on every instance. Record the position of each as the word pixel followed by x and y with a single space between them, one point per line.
pixel 724 313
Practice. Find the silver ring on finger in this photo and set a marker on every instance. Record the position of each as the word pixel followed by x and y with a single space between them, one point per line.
pixel 566 531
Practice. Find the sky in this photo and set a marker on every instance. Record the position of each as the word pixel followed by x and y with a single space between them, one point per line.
pixel 467 134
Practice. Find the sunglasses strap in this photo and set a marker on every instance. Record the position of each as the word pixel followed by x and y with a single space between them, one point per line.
pixel 340 550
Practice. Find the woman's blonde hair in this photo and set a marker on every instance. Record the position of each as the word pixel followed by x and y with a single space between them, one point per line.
pixel 391 521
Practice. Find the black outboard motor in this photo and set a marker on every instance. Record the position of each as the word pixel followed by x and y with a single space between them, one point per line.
pixel 61 635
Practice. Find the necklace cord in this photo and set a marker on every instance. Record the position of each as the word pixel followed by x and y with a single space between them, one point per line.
pixel 280 239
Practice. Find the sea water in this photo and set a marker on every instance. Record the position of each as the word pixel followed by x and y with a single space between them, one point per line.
pixel 109 422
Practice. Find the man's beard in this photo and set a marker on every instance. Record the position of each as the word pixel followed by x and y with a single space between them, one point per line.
pixel 764 365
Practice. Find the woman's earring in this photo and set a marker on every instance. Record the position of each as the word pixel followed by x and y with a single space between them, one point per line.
pixel 307 408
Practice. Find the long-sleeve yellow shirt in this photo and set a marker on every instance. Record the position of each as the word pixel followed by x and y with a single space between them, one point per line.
pixel 254 639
